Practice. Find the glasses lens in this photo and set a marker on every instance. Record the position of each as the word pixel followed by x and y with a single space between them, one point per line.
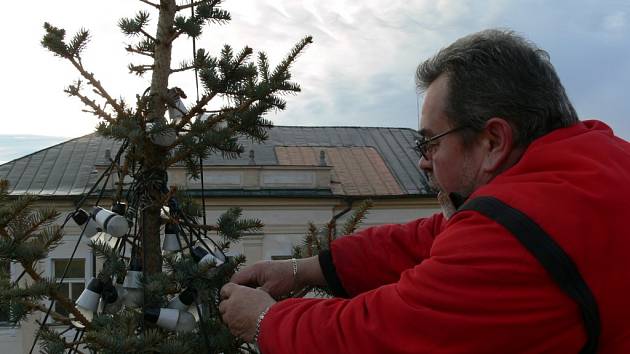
pixel 421 145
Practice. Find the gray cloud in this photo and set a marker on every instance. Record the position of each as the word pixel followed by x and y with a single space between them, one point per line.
pixel 360 69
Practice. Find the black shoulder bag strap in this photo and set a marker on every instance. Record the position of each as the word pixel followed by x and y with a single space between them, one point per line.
pixel 557 263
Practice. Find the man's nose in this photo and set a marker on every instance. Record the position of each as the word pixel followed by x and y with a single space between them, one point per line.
pixel 424 164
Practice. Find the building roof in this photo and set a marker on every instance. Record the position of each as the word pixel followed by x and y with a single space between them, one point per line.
pixel 365 161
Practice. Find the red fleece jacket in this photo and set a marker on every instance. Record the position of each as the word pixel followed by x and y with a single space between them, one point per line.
pixel 467 285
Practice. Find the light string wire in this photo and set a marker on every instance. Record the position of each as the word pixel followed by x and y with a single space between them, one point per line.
pixel 106 174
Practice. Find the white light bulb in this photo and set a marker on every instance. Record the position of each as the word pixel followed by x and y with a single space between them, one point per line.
pixel 110 222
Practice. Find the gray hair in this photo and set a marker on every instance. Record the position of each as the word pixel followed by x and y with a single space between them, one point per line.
pixel 496 73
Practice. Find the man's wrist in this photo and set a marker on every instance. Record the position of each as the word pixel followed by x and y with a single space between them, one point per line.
pixel 294 265
pixel 259 323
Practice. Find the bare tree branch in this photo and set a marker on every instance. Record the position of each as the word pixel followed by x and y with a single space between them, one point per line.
pixel 134 50
pixel 150 3
pixel 97 86
pixel 148 35
pixel 40 307
pixel 182 69
pixel 175 35
pixel 189 5
pixel 143 68
pixel 97 110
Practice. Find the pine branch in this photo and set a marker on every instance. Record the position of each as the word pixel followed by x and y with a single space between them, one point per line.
pixel 54 342
pixel 311 241
pixel 282 70
pixel 357 217
pixel 113 264
pixel 206 98
pixel 54 41
pixel 58 297
pixel 200 227
pixel 134 26
pixel 15 209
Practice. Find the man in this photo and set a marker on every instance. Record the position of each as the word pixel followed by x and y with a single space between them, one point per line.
pixel 495 122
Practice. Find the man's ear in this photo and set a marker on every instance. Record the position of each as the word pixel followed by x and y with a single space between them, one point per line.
pixel 499 143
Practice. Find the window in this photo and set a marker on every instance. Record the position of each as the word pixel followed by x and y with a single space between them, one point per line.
pixel 74 282
pixel 5 268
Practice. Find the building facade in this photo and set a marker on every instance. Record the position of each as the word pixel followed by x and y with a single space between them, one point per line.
pixel 299 174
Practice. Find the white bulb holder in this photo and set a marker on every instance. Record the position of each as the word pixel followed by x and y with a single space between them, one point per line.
pixel 133 279
pixel 205 257
pixel 163 317
pixel 165 214
pixel 133 284
pixel 166 136
pixel 202 117
pixel 102 237
pixel 110 222
pixel 176 113
pixel 81 217
pixel 183 301
pixel 186 322
pixel 88 300
pixel 171 241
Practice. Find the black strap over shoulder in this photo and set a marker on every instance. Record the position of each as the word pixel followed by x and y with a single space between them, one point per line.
pixel 557 263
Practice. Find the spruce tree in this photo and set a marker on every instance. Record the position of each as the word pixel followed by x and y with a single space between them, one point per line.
pixel 157 131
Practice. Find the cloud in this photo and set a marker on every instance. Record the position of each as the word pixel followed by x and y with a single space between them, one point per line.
pixel 359 71
pixel 615 21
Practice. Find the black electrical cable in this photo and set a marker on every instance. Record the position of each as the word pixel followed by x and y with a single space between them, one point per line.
pixel 76 246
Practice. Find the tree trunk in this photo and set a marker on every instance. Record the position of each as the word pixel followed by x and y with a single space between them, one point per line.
pixel 154 155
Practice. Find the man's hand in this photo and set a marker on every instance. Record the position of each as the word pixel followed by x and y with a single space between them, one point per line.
pixel 240 307
pixel 274 277
pixel 277 279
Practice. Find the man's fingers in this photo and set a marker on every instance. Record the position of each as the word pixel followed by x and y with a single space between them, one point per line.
pixel 227 290
pixel 223 308
pixel 246 276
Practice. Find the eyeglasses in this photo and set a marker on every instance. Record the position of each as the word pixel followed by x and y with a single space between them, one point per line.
pixel 425 146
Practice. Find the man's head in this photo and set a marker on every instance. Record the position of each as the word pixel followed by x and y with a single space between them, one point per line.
pixel 501 92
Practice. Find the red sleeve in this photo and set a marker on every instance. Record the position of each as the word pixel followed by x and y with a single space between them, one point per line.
pixel 376 256
pixel 479 292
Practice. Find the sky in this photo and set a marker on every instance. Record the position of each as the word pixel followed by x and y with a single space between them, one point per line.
pixel 358 72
